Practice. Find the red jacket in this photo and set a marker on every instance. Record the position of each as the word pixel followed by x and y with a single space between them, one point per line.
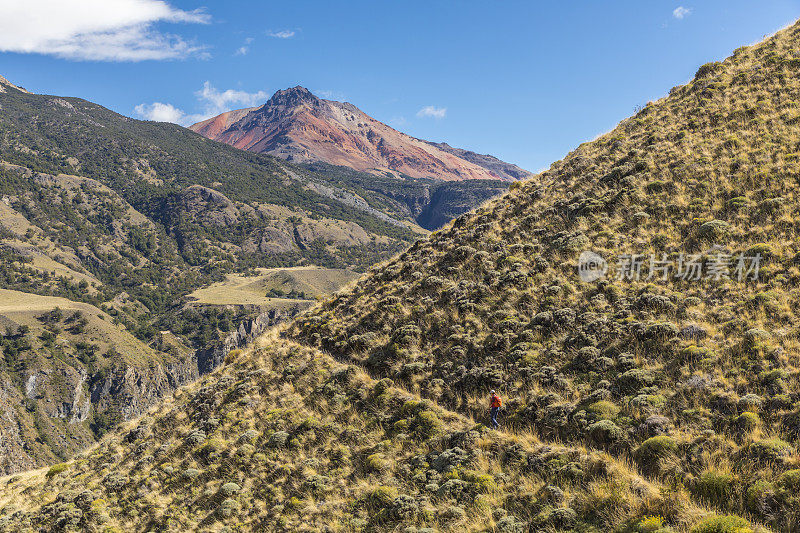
pixel 496 401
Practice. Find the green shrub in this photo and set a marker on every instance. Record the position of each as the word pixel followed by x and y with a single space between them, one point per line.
pixel 376 463
pixel 426 424
pixel 483 482
pixel 650 454
pixel 708 70
pixel 737 203
pixel 771 450
pixel 758 496
pixel 789 481
pixel 747 422
pixel 382 386
pixel 751 402
pixel 248 436
pixel 227 508
pixel 695 353
pixel 210 448
pixel 604 432
pixel 603 409
pixel 56 469
pixel 656 448
pixel 453 513
pixel 278 439
pixel 196 437
pixel 714 486
pixel 755 337
pixel 764 249
pixel 713 229
pixel 723 524
pixel 635 379
pixel 380 497
pixel 230 489
pixel 649 524
pixel 191 473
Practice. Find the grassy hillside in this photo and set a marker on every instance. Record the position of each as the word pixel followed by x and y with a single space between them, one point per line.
pixel 632 403
pixel 128 218
pixel 695 382
pixel 274 286
pixel 147 161
pixel 155 211
pixel 284 438
pixel 55 355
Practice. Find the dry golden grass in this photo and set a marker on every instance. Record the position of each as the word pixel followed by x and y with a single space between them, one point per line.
pixel 341 425
pixel 494 299
pixel 23 309
pixel 311 281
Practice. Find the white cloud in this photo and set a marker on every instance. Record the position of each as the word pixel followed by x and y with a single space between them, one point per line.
pixel 243 50
pixel 160 112
pixel 96 30
pixel 283 34
pixel 217 102
pixel 212 100
pixel 681 12
pixel 432 111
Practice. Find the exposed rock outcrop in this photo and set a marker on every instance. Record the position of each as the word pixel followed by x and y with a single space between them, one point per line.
pixel 297 126
pixel 208 360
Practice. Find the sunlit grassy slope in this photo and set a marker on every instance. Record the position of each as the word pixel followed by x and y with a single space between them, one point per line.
pixel 285 438
pixel 274 287
pixel 694 382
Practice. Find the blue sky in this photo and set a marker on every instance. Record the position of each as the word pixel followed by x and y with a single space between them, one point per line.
pixel 525 81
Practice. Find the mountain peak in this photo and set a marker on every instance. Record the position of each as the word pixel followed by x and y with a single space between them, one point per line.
pixel 293 96
pixel 296 125
pixel 5 82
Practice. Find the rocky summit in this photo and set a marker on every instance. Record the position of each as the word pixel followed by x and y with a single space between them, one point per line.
pixel 297 126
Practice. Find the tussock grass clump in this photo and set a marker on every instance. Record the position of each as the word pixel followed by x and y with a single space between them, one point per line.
pixel 723 524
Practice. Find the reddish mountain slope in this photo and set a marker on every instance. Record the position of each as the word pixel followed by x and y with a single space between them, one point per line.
pixel 297 126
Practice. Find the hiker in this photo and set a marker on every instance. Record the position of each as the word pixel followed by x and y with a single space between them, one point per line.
pixel 494 409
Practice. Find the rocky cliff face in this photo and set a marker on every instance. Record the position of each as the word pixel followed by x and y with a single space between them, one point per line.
pixel 60 410
pixel 131 390
pixel 247 332
pixel 297 126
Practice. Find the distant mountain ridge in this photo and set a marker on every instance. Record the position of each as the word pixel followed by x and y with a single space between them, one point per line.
pixel 297 126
